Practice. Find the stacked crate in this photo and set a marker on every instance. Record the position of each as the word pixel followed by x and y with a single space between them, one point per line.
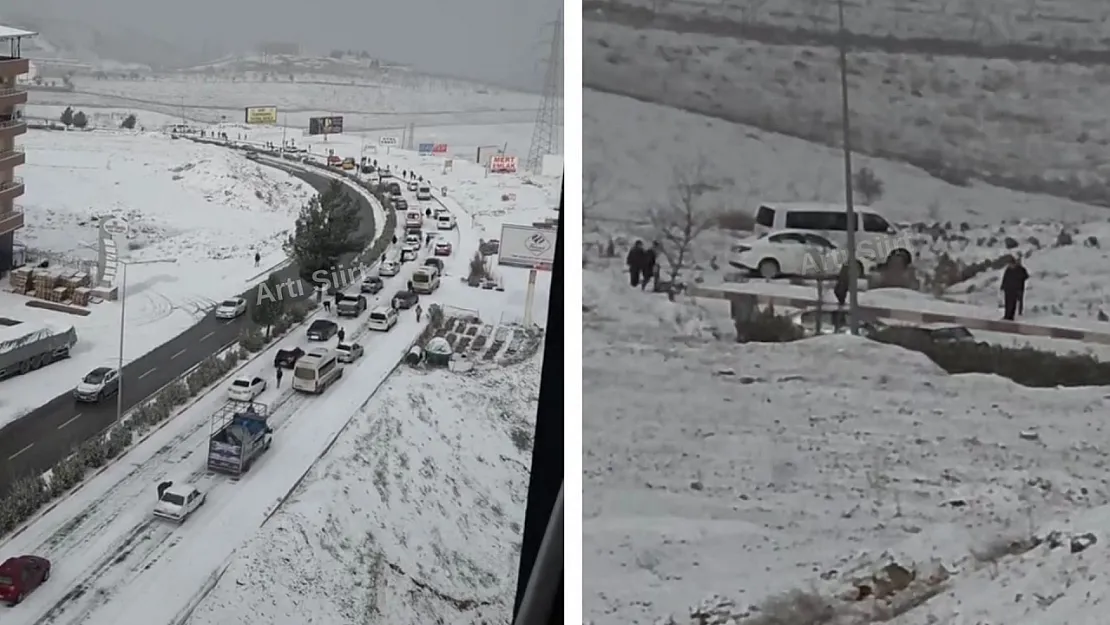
pixel 44 282
pixel 58 295
pixel 20 279
pixel 81 296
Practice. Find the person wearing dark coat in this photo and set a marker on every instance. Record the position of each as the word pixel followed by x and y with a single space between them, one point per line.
pixel 843 280
pixel 635 263
pixel 651 259
pixel 1013 288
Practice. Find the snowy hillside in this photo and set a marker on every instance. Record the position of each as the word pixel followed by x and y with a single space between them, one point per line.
pixel 742 471
pixel 413 518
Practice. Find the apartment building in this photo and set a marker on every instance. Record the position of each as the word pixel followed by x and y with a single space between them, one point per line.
pixel 13 96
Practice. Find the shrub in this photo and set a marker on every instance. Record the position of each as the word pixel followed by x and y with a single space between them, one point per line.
pixel 1024 365
pixel 868 184
pixel 299 311
pixel 252 340
pixel 66 474
pixel 767 327
pixel 129 122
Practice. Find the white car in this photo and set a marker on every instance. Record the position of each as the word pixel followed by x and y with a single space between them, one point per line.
pixel 348 352
pixel 176 503
pixel 384 173
pixel 414 219
pixel 99 383
pixel 373 180
pixel 389 268
pixel 445 221
pixel 423 192
pixel 246 388
pixel 791 253
pixel 382 318
pixel 231 308
pixel 412 242
pixel 413 185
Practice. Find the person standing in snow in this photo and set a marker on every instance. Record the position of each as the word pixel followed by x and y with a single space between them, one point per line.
pixel 419 312
pixel 257 258
pixel 651 260
pixel 279 374
pixel 1013 288
pixel 635 262
pixel 341 334
pixel 843 281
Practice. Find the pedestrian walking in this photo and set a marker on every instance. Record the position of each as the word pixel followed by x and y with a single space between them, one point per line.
pixel 419 311
pixel 428 212
pixel 327 305
pixel 843 282
pixel 1013 288
pixel 341 334
pixel 651 258
pixel 635 262
pixel 162 488
pixel 279 374
pixel 395 239
pixel 257 258
pixel 408 285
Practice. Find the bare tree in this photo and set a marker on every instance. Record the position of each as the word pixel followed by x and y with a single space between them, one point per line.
pixel 592 197
pixel 685 216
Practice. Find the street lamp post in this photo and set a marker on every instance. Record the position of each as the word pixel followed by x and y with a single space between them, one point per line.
pixel 123 321
pixel 853 269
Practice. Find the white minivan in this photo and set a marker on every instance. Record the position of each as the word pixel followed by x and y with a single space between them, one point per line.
pixel 424 192
pixel 445 221
pixel 875 235
pixel 316 371
pixel 382 318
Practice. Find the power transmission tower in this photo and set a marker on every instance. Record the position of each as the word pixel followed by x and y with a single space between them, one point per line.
pixel 547 134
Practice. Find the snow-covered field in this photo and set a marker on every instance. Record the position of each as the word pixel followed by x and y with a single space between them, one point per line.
pixel 1034 126
pixel 113 564
pixel 784 473
pixel 1070 23
pixel 205 210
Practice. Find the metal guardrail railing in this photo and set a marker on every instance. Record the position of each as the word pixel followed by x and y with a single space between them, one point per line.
pixel 18 89
pixel 11 220
pixel 16 181
pixel 9 123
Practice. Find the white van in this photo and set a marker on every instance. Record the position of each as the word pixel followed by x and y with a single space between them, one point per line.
pixel 382 318
pixel 445 221
pixel 425 280
pixel 874 232
pixel 316 371
pixel 424 192
pixel 414 219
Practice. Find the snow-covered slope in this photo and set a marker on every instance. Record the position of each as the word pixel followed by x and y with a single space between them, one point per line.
pixel 413 518
pixel 712 468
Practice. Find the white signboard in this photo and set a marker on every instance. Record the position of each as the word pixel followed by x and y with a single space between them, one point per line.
pixel 388 141
pixel 527 246
pixel 502 164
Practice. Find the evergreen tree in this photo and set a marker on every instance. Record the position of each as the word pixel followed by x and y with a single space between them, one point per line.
pixel 269 305
pixel 67 117
pixel 79 120
pixel 326 229
pixel 129 122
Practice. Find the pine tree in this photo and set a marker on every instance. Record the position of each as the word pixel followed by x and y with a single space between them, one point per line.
pixel 326 229
pixel 67 117
pixel 79 120
pixel 129 122
pixel 269 305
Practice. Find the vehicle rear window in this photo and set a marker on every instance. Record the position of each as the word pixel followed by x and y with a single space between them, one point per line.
pixel 377 316
pixel 241 383
pixel 419 277
pixel 765 217
pixel 817 220
pixel 5 581
pixel 304 373
pixel 230 302
pixel 172 499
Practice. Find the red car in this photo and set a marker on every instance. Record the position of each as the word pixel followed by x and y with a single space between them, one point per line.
pixel 442 248
pixel 19 576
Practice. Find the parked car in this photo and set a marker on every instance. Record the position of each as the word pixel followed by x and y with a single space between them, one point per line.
pixel 246 388
pixel 176 503
pixel 413 185
pixel 400 203
pixel 389 268
pixel 489 248
pixel 442 248
pixel 286 358
pixel 231 308
pixel 97 384
pixel 394 188
pixel 349 352
pixel 334 161
pixel 403 300
pixel 791 253
pixel 434 263
pixel 875 235
pixel 366 168
pixel 372 285
pixel 350 305
pixel 382 318
pixel 322 330
pixel 21 575
pixel 385 173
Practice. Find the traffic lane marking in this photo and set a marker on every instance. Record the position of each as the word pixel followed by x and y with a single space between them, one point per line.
pixel 205 337
pixel 20 452
pixel 74 418
pixel 152 370
pixel 179 353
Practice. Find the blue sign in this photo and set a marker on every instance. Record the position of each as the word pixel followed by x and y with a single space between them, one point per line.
pixel 426 148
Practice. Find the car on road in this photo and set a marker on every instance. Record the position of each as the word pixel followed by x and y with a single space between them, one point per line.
pixel 366 169
pixel 382 318
pixel 403 300
pixel 372 285
pixel 286 358
pixel 349 352
pixel 322 330
pixel 97 384
pixel 434 263
pixel 20 575
pixel 393 188
pixel 400 203
pixel 389 268
pixel 791 253
pixel 414 219
pixel 413 185
pixel 176 503
pixel 442 248
pixel 349 305
pixel 231 308
pixel 425 280
pixel 246 388
pixel 445 221
pixel 424 192
pixel 349 163
pixel 385 173
pixel 409 253
pixel 412 241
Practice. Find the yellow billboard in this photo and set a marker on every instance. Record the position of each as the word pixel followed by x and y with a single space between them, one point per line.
pixel 261 115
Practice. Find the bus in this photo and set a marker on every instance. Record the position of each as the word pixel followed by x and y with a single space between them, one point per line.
pixel 316 371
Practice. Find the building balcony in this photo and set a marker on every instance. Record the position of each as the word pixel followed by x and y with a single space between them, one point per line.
pixel 11 189
pixel 12 96
pixel 12 220
pixel 12 127
pixel 10 159
pixel 11 66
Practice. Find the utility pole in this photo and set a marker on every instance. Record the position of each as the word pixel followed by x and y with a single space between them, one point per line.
pixel 123 322
pixel 853 265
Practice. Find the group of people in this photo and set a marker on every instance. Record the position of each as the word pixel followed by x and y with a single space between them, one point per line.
pixel 643 263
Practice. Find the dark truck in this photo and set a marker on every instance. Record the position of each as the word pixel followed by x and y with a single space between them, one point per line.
pixel 25 347
pixel 239 435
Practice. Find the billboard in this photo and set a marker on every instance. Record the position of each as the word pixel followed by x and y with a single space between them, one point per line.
pixel 501 164
pixel 260 115
pixel 485 152
pixel 527 246
pixel 439 148
pixel 426 148
pixel 387 141
pixel 332 125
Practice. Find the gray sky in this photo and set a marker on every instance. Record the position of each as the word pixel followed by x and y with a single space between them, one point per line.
pixel 503 41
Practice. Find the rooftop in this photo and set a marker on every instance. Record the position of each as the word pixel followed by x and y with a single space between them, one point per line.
pixel 7 32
